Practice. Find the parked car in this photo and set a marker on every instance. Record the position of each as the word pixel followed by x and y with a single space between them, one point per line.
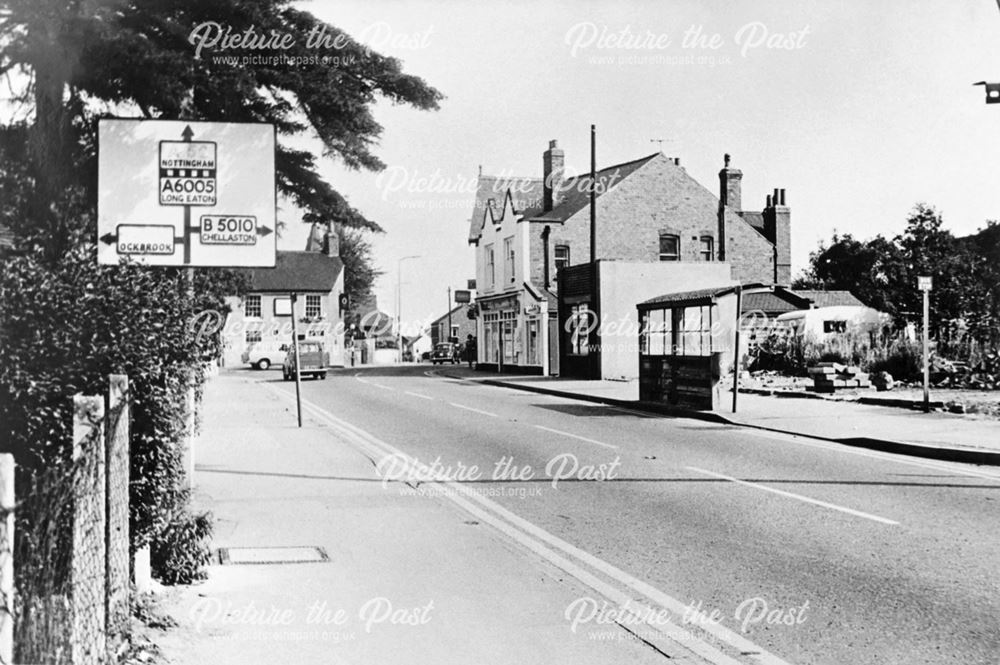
pixel 444 353
pixel 313 361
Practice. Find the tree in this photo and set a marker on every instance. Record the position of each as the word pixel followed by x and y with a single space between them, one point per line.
pixel 83 60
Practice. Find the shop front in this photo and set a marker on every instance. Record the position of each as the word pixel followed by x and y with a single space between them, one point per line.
pixel 512 334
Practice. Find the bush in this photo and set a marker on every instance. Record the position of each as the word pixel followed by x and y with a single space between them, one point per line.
pixel 899 357
pixel 65 326
pixel 179 553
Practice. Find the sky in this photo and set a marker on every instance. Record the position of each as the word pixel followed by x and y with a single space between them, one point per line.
pixel 860 110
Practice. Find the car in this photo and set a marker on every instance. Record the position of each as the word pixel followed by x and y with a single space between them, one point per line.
pixel 313 361
pixel 444 352
pixel 261 355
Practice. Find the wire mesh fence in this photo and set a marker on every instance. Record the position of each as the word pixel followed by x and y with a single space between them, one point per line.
pixel 71 544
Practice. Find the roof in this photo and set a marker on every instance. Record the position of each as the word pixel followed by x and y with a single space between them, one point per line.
pixel 688 298
pixel 576 191
pixel 830 298
pixel 453 312
pixel 525 193
pixel 296 271
pixel 753 218
pixel 774 302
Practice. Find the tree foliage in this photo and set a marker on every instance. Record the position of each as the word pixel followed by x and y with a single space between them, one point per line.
pixel 883 273
pixel 87 59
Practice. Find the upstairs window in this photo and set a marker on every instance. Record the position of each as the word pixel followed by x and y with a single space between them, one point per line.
pixel 314 306
pixel 490 266
pixel 508 259
pixel 561 258
pixel 707 248
pixel 251 307
pixel 670 247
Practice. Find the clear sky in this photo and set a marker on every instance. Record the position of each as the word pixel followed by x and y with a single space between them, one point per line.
pixel 870 111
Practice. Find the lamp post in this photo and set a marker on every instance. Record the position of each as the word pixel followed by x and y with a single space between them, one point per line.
pixel 399 303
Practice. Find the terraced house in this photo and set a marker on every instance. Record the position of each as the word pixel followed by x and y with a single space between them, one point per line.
pixel 528 231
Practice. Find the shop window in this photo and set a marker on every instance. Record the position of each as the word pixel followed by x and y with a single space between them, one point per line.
pixel 579 330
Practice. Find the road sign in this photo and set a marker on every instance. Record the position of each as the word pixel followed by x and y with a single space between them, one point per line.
pixel 231 230
pixel 178 193
pixel 187 172
pixel 924 283
pixel 462 297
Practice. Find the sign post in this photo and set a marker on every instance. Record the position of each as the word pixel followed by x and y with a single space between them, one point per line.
pixel 149 168
pixel 736 342
pixel 298 373
pixel 924 284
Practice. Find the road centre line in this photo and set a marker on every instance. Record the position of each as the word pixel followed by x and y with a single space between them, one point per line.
pixel 800 439
pixel 420 395
pixel 705 650
pixel 372 383
pixel 576 436
pixel 469 408
pixel 792 495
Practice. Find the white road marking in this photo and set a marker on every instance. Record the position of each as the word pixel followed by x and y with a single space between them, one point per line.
pixel 421 396
pixel 364 440
pixel 791 495
pixel 469 408
pixel 372 383
pixel 576 436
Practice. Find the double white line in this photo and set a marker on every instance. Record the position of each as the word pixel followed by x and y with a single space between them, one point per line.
pixel 677 642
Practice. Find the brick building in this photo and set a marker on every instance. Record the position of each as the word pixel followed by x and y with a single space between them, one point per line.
pixel 648 210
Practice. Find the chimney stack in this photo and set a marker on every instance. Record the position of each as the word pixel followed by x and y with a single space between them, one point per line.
pixel 331 244
pixel 552 172
pixel 778 229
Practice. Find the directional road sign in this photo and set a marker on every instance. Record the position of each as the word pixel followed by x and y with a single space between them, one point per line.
pixel 179 193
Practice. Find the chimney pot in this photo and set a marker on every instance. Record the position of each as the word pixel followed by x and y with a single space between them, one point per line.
pixel 782 197
pixel 768 204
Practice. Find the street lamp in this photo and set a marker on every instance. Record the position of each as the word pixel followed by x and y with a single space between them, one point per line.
pixel 399 303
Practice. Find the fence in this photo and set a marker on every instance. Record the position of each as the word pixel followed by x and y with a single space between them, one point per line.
pixel 71 557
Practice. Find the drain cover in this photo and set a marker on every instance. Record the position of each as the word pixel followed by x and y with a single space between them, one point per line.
pixel 259 555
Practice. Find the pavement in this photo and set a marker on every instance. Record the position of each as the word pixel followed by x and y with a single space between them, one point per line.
pixel 934 435
pixel 408 579
pixel 702 542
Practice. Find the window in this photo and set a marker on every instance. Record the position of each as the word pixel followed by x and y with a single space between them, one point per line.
pixel 670 248
pixel 254 336
pixel 707 248
pixel 314 306
pixel 454 331
pixel 251 307
pixel 561 259
pixel 834 326
pixel 684 331
pixel 490 267
pixel 508 259
pixel 578 327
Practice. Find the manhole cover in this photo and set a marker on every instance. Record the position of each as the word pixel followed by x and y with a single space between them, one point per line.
pixel 259 555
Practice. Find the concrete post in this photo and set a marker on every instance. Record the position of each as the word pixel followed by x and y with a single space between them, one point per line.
pixel 117 506
pixel 87 596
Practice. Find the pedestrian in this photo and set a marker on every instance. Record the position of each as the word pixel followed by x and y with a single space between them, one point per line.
pixel 470 351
